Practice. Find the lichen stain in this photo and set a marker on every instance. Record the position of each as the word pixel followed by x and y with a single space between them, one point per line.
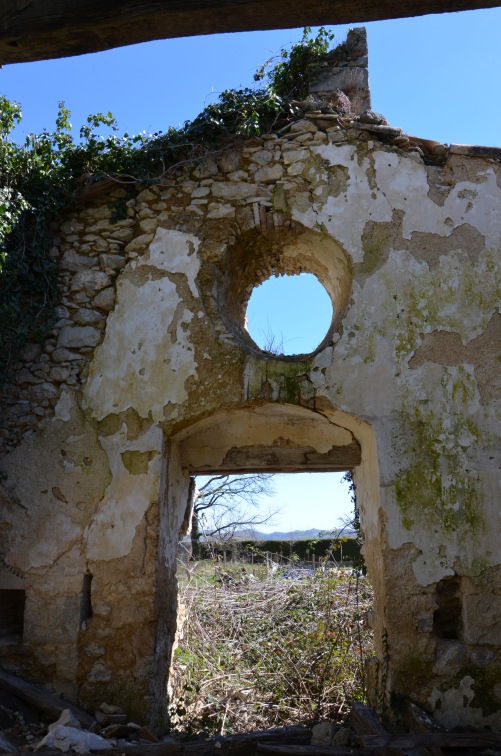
pixel 437 486
pixel 469 698
pixel 378 239
pixel 137 462
pixel 461 298
pixel 280 381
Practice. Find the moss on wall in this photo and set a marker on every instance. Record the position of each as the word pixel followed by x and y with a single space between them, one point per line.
pixel 437 486
pixel 283 381
pixel 137 462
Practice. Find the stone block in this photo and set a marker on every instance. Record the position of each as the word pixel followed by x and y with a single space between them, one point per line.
pixel 269 173
pixel 303 126
pixel 230 191
pixel 75 337
pixel 86 316
pixel 90 282
pixel 105 300
pixel 113 262
pixel 74 262
pixel 64 355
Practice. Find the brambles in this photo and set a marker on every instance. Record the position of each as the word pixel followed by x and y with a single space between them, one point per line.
pixel 271 652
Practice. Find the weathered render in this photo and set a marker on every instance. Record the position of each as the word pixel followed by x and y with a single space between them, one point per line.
pixel 150 376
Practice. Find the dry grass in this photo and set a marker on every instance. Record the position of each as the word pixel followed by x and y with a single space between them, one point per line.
pixel 271 653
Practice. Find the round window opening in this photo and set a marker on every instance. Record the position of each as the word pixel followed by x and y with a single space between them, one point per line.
pixel 289 314
pixel 284 292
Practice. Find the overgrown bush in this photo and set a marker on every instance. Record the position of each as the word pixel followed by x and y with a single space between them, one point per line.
pixel 271 653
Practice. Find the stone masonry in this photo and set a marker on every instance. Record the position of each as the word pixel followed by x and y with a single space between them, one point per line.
pixel 150 376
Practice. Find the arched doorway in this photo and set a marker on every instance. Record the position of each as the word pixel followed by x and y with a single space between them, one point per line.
pixel 263 437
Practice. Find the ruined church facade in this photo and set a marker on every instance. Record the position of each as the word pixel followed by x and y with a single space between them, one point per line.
pixel 149 377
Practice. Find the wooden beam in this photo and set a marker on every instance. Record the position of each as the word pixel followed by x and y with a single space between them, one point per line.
pixel 52 706
pixel 41 29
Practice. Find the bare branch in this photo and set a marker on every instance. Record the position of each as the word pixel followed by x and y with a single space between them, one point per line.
pixel 224 504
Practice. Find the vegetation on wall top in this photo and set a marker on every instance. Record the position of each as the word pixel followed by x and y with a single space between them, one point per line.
pixel 42 177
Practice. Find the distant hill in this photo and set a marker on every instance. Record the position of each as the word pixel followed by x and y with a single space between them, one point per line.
pixel 292 535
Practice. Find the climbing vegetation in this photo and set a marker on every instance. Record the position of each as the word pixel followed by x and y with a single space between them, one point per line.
pixel 44 176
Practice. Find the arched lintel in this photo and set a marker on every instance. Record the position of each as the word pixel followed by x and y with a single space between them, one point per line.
pixel 274 437
pixel 271 437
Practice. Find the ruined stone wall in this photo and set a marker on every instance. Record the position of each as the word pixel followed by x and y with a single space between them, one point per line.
pixel 150 375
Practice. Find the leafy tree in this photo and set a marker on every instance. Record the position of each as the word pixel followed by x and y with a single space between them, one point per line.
pixel 224 504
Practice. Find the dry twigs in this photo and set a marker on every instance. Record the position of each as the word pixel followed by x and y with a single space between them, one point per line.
pixel 271 653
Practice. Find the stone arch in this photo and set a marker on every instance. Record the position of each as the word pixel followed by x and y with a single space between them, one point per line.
pixel 256 255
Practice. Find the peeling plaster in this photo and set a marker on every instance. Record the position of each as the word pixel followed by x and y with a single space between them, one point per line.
pixel 127 498
pixel 138 357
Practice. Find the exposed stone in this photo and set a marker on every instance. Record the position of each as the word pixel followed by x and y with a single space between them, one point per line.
pixel 206 168
pixel 229 161
pixel 145 195
pixel 148 225
pixel 292 155
pixel 59 374
pixel 218 210
pixel 78 336
pixel 25 376
pixel 65 355
pixel 139 243
pixel 201 191
pixel 269 174
pixel 74 262
pixel 303 127
pixel 112 262
pixel 233 191
pixel 90 282
pixel 263 157
pixel 71 227
pixel 105 300
pixel 85 316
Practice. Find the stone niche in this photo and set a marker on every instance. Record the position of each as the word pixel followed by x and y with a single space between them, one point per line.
pixel 150 376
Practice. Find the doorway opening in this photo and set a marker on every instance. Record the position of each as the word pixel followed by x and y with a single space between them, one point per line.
pixel 249 623
pixel 303 508
pixel 261 647
pixel 273 596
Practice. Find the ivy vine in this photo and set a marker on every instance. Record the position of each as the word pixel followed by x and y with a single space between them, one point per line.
pixel 42 177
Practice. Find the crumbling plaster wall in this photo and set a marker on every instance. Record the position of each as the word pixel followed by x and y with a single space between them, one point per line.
pixel 150 342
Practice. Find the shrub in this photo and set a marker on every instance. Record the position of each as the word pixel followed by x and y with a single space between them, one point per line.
pixel 271 653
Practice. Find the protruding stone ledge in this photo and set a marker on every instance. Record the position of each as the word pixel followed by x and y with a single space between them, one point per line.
pixel 474 150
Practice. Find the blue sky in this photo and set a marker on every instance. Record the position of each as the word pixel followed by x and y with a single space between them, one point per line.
pixel 437 77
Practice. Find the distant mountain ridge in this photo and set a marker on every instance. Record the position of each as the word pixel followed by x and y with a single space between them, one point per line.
pixel 250 534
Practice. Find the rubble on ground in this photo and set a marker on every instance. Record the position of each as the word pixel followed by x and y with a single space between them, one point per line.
pixel 363 734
